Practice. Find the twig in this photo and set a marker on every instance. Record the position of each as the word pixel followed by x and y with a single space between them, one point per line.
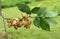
pixel 3 21
pixel 5 27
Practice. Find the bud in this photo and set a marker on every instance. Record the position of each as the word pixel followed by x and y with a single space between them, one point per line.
pixel 20 24
pixel 9 20
pixel 26 24
pixel 9 25
pixel 14 23
pixel 25 16
pixel 15 27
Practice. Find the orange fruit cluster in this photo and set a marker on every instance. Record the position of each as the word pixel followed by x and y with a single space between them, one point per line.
pixel 17 22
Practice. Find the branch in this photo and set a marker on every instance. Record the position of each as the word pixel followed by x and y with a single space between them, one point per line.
pixel 5 27
pixel 3 21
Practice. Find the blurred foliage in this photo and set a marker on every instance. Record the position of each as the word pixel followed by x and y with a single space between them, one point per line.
pixel 10 3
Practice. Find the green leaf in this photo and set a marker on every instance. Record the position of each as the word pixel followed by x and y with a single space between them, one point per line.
pixel 24 8
pixel 41 11
pixel 51 22
pixel 51 14
pixel 37 22
pixel 35 9
pixel 44 24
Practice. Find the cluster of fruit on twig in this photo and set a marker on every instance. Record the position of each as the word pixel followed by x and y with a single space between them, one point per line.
pixel 17 22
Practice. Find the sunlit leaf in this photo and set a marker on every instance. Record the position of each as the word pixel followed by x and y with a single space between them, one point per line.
pixel 51 22
pixel 51 14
